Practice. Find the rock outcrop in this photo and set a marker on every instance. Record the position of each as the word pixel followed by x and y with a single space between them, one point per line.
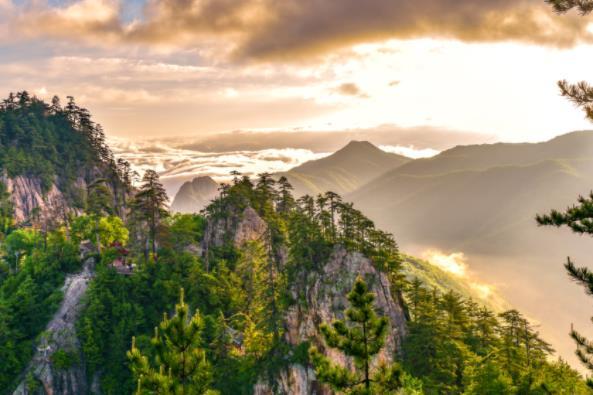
pixel 322 299
pixel 60 336
pixel 27 195
pixel 238 229
pixel 194 195
pixel 326 301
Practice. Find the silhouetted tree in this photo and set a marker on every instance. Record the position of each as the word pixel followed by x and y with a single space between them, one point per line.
pixel 150 204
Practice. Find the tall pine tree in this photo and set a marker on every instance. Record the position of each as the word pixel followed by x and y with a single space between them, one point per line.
pixel 150 204
pixel 578 218
pixel 362 340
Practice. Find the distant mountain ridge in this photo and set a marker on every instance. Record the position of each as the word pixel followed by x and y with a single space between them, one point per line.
pixel 482 200
pixel 473 192
pixel 343 171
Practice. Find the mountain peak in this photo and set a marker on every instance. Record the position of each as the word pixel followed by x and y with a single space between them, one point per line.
pixel 203 181
pixel 359 146
pixel 194 195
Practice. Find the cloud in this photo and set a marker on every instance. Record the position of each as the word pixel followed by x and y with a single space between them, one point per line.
pixel 351 89
pixel 410 151
pixel 423 140
pixel 177 164
pixel 454 263
pixel 457 265
pixel 295 29
pixel 84 19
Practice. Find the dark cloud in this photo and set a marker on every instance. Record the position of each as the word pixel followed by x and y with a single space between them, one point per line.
pixel 293 29
pixel 351 89
pixel 303 26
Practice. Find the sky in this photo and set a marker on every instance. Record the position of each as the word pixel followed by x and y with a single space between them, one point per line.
pixel 190 78
pixel 155 69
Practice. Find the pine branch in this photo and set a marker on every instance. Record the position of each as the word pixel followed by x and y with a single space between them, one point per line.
pixel 580 94
pixel 562 6
pixel 581 275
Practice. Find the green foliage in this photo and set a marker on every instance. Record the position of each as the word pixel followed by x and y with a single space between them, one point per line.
pixel 108 229
pixel 149 207
pixel 361 340
pixel 457 346
pixel 30 294
pixel 186 229
pixel 180 365
pixel 64 360
pixel 579 219
pixel 45 141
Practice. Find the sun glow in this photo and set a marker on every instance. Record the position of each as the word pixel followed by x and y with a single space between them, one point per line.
pixel 454 263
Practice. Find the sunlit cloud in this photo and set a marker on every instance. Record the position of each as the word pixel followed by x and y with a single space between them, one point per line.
pixel 410 151
pixel 294 29
pixel 454 263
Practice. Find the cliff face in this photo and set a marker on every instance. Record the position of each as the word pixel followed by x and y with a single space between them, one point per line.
pixel 239 229
pixel 326 301
pixel 27 195
pixel 60 336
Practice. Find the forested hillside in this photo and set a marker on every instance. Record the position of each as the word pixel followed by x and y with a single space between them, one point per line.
pixel 264 293
pixel 50 154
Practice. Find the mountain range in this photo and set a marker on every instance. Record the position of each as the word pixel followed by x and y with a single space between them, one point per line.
pixel 480 200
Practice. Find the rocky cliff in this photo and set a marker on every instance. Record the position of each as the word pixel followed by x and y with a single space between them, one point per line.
pixel 27 195
pixel 194 195
pixel 325 300
pixel 237 229
pixel 44 375
pixel 32 202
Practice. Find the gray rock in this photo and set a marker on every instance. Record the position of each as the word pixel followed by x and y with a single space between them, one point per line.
pixel 60 334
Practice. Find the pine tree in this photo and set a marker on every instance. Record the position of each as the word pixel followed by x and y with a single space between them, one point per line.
pixel 180 365
pixel 99 203
pixel 285 199
pixel 362 340
pixel 583 6
pixel 150 205
pixel 578 218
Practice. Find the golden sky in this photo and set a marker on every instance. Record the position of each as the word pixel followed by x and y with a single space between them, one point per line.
pixel 161 68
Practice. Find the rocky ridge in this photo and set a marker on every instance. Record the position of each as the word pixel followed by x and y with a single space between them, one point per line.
pixel 325 301
pixel 60 335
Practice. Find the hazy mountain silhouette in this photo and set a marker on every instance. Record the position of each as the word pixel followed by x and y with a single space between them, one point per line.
pixel 195 195
pixel 482 200
pixel 344 171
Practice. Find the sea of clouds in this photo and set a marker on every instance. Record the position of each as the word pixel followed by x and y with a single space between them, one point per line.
pixel 178 160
